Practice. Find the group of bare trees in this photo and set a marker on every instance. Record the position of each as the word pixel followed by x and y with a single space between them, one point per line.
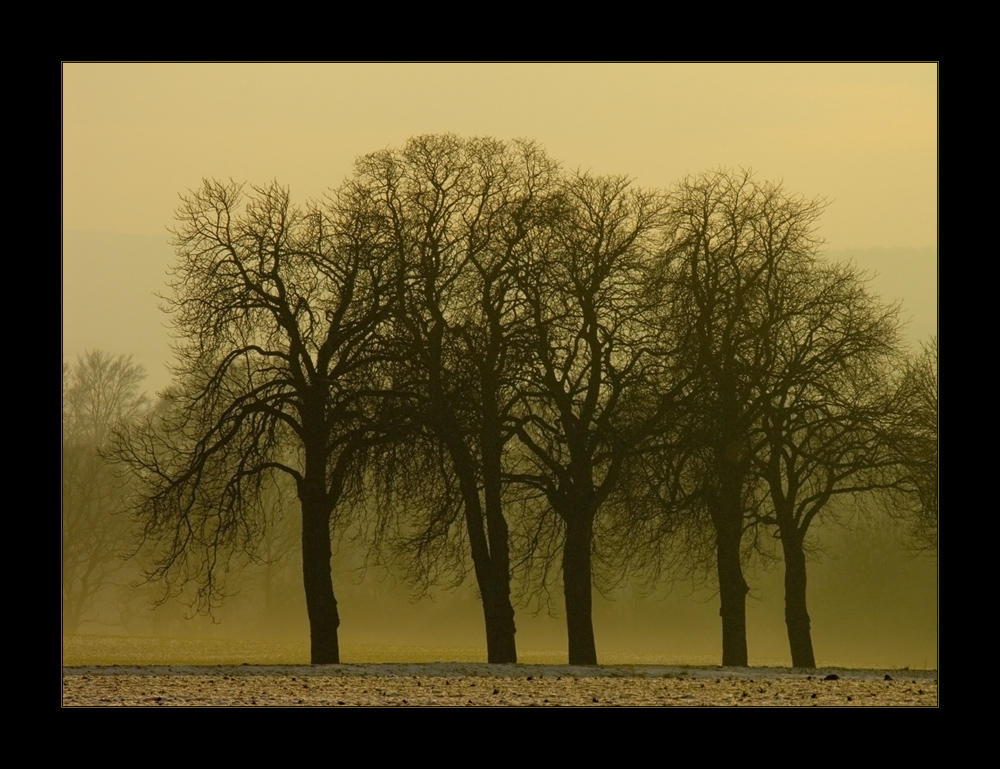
pixel 478 358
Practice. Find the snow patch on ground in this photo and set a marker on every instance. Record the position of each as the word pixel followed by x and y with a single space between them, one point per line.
pixel 455 684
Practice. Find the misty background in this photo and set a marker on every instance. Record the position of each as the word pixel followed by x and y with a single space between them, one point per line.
pixel 864 136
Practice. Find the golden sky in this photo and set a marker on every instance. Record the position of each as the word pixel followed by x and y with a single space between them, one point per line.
pixel 864 136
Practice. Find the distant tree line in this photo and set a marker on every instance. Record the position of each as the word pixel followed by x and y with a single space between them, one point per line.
pixel 99 393
pixel 478 360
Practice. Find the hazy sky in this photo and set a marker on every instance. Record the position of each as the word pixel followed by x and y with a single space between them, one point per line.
pixel 864 136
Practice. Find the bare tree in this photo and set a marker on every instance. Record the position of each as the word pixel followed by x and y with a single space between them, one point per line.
pixel 795 367
pixel 735 239
pixel 100 392
pixel 829 416
pixel 924 377
pixel 276 310
pixel 596 354
pixel 915 499
pixel 459 212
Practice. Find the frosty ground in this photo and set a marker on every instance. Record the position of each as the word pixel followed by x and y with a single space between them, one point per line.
pixel 456 684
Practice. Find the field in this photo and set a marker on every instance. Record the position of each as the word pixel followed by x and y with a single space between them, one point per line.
pixel 204 674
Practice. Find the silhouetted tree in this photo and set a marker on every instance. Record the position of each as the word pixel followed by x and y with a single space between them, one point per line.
pixel 100 392
pixel 596 354
pixel 923 376
pixel 276 310
pixel 829 416
pixel 735 240
pixel 459 212
pixel 794 364
pixel 915 499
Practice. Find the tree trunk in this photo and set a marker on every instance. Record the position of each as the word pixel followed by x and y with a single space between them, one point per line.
pixel 577 583
pixel 494 588
pixel 500 629
pixel 499 616
pixel 733 591
pixel 727 515
pixel 324 620
pixel 796 615
pixel 490 558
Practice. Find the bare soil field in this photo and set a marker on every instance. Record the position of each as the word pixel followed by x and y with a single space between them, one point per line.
pixel 457 684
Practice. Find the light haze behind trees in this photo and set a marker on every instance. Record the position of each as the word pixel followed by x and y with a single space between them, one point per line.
pixel 100 392
pixel 462 327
